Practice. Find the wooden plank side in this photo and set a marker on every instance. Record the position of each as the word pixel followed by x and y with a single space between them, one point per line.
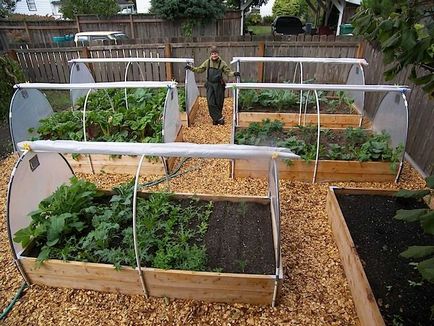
pixel 327 170
pixel 292 119
pixel 222 287
pixel 364 300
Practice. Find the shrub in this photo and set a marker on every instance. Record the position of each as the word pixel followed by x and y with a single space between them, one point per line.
pixel 11 73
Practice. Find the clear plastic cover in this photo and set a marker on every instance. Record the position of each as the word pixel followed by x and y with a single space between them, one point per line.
pixel 35 177
pixel 27 108
pixel 191 90
pixel 356 76
pixel 80 74
pixel 172 117
pixel 392 117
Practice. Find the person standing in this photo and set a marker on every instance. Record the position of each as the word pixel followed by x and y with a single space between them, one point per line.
pixel 215 67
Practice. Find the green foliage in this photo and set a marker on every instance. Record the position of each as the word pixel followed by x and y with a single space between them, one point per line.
pixel 77 223
pixel 404 30
pixel 108 119
pixel 72 8
pixel 275 98
pixel 298 8
pixel 357 144
pixel 196 11
pixel 6 7
pixel 11 74
pixel 253 19
pixel 425 216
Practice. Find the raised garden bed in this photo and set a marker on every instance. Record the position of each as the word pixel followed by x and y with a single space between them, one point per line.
pixel 351 154
pixel 216 236
pixel 384 286
pixel 109 120
pixel 284 105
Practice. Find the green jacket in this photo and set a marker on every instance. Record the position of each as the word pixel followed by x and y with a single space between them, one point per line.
pixel 214 64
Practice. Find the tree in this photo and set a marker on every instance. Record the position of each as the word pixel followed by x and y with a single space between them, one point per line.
pixel 296 8
pixel 404 30
pixel 72 8
pixel 6 7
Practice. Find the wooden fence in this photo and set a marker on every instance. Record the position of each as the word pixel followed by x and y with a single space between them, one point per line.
pixel 51 64
pixel 142 27
pixel 420 144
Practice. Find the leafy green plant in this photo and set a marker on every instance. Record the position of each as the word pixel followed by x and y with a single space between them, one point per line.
pixel 78 223
pixel 141 122
pixel 12 74
pixel 341 104
pixel 425 216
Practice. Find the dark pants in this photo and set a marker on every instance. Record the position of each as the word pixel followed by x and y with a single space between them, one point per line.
pixel 215 95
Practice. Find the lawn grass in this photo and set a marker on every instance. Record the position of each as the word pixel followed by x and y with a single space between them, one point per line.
pixel 260 30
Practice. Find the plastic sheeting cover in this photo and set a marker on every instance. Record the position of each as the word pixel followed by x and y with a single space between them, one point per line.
pixel 392 117
pixel 80 74
pixel 191 90
pixel 35 178
pixel 172 116
pixel 356 76
pixel 28 107
pixel 178 149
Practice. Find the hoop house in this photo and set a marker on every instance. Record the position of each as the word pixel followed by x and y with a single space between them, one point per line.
pixel 355 77
pixel 81 73
pixel 129 124
pixel 201 285
pixel 351 154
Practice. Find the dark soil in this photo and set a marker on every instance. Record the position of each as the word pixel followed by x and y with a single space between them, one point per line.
pixel 379 240
pixel 240 238
pixel 5 140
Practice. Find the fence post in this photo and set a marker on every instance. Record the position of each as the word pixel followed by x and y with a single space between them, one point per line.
pixel 261 53
pixel 169 66
pixel 85 53
pixel 26 27
pixel 360 53
pixel 77 20
pixel 133 33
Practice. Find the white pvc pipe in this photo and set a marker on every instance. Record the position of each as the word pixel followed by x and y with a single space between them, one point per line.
pixel 301 59
pixel 125 80
pixel 401 163
pixel 132 59
pixel 320 87
pixel 136 246
pixel 131 84
pixel 318 138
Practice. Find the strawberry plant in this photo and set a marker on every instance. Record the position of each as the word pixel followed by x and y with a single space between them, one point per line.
pixel 79 223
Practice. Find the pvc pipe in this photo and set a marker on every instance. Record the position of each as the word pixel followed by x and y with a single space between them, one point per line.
pixel 301 59
pixel 131 59
pixel 131 84
pixel 320 87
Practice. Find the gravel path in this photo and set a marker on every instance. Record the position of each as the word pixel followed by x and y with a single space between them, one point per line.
pixel 314 292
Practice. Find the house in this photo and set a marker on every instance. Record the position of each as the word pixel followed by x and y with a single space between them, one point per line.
pixel 143 6
pixel 38 7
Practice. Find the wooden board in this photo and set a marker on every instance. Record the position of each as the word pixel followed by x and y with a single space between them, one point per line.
pixel 292 119
pixel 193 114
pixel 207 286
pixel 327 170
pixel 99 163
pixel 364 300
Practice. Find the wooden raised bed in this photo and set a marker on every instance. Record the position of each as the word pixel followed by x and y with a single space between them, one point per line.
pixel 328 170
pixel 292 119
pixel 207 286
pixel 365 302
pixel 124 164
pixel 193 113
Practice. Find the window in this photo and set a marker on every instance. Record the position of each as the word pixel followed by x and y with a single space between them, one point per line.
pixel 31 5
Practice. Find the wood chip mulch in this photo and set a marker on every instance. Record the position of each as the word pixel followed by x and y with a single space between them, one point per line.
pixel 314 292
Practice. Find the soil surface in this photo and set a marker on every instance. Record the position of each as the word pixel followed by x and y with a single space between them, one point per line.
pixel 379 240
pixel 5 140
pixel 240 238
